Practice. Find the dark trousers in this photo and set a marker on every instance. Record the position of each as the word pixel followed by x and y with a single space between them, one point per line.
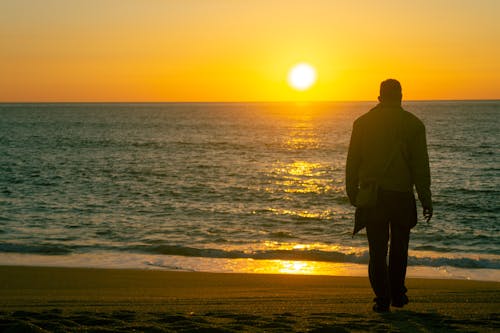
pixel 393 217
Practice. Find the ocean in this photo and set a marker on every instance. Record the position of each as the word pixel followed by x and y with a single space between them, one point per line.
pixel 232 187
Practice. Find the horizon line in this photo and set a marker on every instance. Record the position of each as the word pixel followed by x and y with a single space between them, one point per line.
pixel 243 102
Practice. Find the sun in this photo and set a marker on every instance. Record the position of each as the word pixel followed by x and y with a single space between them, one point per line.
pixel 301 76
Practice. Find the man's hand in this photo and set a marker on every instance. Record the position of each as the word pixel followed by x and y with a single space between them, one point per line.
pixel 427 214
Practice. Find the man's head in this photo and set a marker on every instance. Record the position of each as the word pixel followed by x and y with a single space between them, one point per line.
pixel 390 92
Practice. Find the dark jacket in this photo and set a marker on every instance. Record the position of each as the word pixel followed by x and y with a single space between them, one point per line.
pixel 373 141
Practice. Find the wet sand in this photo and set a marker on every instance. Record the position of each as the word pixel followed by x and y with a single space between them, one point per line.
pixel 38 299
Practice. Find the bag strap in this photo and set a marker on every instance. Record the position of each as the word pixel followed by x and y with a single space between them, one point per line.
pixel 397 146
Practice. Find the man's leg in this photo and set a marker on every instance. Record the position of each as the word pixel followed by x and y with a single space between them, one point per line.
pixel 398 259
pixel 398 253
pixel 377 232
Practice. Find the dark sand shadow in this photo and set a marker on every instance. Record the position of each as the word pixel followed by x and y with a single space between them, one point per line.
pixel 221 322
pixel 406 320
pixel 403 321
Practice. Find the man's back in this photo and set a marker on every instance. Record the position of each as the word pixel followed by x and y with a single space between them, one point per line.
pixel 383 133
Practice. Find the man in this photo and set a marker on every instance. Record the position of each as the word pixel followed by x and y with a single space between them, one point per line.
pixel 388 147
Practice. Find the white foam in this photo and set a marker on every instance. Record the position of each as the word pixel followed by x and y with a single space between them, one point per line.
pixel 117 260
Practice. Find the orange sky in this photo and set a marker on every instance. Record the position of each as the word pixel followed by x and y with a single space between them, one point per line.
pixel 240 50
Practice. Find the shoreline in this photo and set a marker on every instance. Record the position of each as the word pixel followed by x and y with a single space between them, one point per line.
pixel 67 299
pixel 120 260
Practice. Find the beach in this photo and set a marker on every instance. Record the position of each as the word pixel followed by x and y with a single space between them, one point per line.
pixel 38 299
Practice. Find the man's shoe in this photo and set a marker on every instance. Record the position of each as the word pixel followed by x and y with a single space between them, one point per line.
pixel 381 308
pixel 401 301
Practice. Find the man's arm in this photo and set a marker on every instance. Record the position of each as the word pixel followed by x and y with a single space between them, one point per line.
pixel 421 171
pixel 352 164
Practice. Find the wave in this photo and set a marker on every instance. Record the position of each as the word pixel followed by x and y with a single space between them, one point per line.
pixel 465 261
pixel 46 249
pixel 435 259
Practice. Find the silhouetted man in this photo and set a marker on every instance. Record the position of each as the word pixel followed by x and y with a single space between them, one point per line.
pixel 387 157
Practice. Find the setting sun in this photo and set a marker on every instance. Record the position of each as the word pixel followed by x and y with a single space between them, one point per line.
pixel 302 76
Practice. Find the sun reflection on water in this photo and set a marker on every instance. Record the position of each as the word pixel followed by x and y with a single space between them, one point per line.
pixel 302 168
pixel 294 267
pixel 300 177
pixel 324 215
pixel 305 173
pixel 302 142
pixel 286 246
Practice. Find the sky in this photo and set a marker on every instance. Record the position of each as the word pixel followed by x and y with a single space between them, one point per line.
pixel 242 50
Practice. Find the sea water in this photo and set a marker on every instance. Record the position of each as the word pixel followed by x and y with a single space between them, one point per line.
pixel 232 187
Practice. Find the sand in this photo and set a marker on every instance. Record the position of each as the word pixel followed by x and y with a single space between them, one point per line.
pixel 38 299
